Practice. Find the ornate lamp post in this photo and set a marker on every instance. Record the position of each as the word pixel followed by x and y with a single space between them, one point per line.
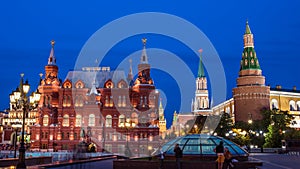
pixel 16 126
pixel 20 100
pixel 128 126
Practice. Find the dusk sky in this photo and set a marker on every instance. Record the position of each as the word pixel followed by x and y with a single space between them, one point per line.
pixel 27 27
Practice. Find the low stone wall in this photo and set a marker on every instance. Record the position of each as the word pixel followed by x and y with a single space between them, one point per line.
pixel 144 164
pixel 29 161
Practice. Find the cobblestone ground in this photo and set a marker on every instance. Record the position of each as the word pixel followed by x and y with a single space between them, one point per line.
pixel 278 161
pixel 103 164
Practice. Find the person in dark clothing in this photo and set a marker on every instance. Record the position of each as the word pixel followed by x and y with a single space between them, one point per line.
pixel 228 159
pixel 161 159
pixel 220 152
pixel 178 155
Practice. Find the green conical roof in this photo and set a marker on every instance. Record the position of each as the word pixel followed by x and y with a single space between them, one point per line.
pixel 248 31
pixel 201 68
pixel 249 59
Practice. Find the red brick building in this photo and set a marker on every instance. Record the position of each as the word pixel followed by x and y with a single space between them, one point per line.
pixel 251 94
pixel 104 108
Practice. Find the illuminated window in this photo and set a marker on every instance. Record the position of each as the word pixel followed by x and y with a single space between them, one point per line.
pixel 121 120
pixel 120 101
pixel 78 121
pixel 45 120
pixel 274 104
pixel 292 105
pixel 91 120
pixel 66 120
pixel 108 121
pixel 124 101
pixel 134 118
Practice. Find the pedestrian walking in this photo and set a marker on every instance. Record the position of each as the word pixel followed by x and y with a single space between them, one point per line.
pixel 220 153
pixel 228 159
pixel 178 155
pixel 161 159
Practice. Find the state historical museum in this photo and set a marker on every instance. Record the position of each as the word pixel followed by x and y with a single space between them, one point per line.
pixel 104 108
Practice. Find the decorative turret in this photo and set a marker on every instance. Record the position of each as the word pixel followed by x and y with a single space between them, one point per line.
pixel 144 68
pixel 201 101
pixel 161 111
pixel 130 74
pixel 144 57
pixel 162 120
pixel 201 69
pixel 251 95
pixel 51 69
pixel 52 59
pixel 249 59
pixel 175 115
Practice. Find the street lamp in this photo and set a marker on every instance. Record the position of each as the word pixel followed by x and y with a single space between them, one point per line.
pixel 16 126
pixel 128 125
pixel 20 100
pixel 250 118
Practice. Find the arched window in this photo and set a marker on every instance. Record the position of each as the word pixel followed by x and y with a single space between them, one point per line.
pixel 78 121
pixel 76 101
pixel 80 100
pixel 120 101
pixel 111 101
pixel 298 105
pixel 274 104
pixel 106 101
pixel 45 120
pixel 121 120
pixel 292 105
pixel 64 101
pixel 124 101
pixel 68 101
pixel 65 121
pixel 108 121
pixel 91 120
pixel 227 110
pixel 134 117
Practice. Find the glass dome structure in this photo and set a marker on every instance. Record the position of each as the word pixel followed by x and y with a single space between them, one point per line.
pixel 202 145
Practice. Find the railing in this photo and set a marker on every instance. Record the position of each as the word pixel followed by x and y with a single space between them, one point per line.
pixel 265 150
pixel 56 156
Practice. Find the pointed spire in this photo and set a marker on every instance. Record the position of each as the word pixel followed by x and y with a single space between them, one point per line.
pixel 160 104
pixel 249 58
pixel 248 31
pixel 130 67
pixel 201 69
pixel 130 74
pixel 51 59
pixel 93 90
pixel 144 57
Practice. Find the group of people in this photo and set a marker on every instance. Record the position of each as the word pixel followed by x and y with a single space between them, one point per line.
pixel 223 153
pixel 224 156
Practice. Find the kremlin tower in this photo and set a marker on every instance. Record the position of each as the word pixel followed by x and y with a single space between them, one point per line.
pixel 251 94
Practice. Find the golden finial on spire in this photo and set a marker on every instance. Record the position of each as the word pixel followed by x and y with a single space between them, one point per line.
pixel 52 43
pixel 144 40
pixel 200 51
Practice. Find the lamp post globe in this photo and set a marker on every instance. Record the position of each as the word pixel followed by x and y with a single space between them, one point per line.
pixel 20 101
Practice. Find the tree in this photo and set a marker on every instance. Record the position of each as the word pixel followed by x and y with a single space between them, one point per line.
pixel 225 125
pixel 279 123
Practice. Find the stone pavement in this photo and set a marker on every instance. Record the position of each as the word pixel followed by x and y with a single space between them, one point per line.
pixel 277 161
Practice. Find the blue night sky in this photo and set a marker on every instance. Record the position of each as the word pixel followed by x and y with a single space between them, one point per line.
pixel 27 27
